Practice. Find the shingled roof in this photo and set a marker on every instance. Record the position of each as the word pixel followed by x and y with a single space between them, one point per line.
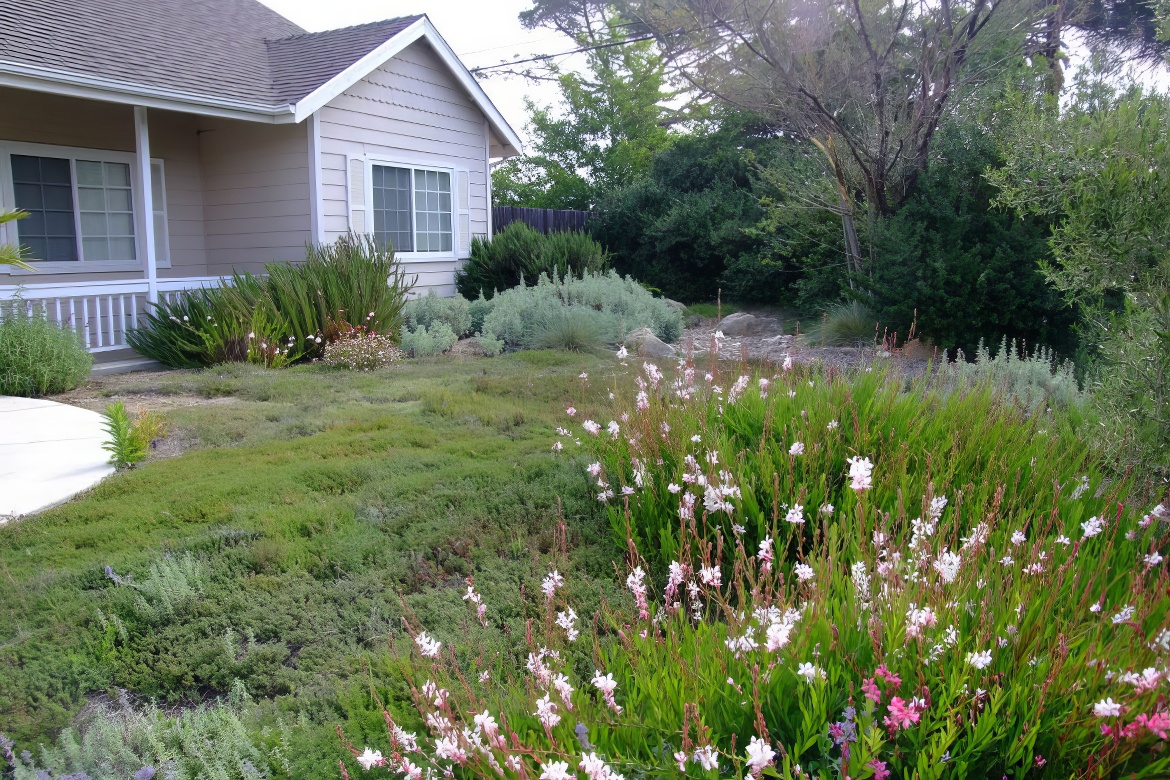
pixel 235 49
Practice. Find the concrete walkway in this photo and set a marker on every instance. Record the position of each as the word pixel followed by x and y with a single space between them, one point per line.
pixel 49 452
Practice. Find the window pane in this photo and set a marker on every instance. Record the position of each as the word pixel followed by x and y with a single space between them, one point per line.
pixel 433 211
pixel 42 188
pixel 121 224
pixel 61 249
pixel 117 200
pixel 117 174
pixel 121 249
pixel 89 173
pixel 96 248
pixel 93 224
pixel 91 199
pixel 58 197
pixel 392 219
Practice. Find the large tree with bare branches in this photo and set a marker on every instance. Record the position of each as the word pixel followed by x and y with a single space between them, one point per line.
pixel 867 81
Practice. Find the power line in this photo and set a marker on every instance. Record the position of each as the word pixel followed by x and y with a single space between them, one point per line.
pixel 543 57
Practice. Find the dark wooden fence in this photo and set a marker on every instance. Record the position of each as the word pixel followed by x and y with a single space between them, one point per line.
pixel 544 220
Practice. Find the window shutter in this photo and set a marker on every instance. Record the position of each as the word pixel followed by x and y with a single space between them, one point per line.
pixel 357 196
pixel 463 204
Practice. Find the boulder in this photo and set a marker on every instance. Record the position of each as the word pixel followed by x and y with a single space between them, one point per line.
pixel 675 305
pixel 643 342
pixel 743 324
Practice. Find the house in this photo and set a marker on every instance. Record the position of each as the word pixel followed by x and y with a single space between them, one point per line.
pixel 159 146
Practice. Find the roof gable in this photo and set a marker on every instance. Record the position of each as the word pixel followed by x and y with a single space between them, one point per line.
pixel 223 57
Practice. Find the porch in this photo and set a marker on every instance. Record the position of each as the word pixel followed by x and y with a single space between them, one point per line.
pixel 129 205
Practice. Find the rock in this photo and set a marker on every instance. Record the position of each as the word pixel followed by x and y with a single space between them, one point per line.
pixel 694 321
pixel 674 304
pixel 645 343
pixel 743 324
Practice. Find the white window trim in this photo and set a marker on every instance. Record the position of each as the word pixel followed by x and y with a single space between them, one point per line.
pixel 412 167
pixel 10 233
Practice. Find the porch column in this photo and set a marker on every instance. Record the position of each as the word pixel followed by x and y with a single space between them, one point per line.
pixel 145 202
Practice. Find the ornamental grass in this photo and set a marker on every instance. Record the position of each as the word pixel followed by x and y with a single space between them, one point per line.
pixel 828 576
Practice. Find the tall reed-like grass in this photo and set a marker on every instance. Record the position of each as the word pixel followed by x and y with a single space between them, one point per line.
pixel 289 314
pixel 832 577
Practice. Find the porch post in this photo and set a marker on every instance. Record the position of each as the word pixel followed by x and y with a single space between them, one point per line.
pixel 145 203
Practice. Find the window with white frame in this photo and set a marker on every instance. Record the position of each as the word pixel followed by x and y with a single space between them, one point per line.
pixel 412 208
pixel 80 205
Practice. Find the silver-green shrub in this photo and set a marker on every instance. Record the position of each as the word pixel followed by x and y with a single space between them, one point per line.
pixel 1032 380
pixel 173 584
pixel 425 311
pixel 423 341
pixel 614 305
pixel 117 741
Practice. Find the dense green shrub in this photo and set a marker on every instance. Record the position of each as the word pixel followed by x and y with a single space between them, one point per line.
pixel 861 578
pixel 520 254
pixel 36 356
pixel 966 270
pixel 291 313
pixel 426 310
pixel 598 307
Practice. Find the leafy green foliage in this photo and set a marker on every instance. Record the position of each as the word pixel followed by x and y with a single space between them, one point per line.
pixel 520 254
pixel 10 254
pixel 814 616
pixel 582 311
pixel 289 314
pixel 130 438
pixel 683 224
pixel 604 136
pixel 958 266
pixel 1100 171
pixel 37 357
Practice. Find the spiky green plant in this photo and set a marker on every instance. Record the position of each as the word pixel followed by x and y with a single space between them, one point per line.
pixel 38 357
pixel 11 254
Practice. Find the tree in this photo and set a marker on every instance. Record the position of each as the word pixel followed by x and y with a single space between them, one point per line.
pixel 611 122
pixel 1101 170
pixel 869 81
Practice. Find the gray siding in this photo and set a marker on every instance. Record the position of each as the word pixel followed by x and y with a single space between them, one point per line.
pixel 255 193
pixel 411 110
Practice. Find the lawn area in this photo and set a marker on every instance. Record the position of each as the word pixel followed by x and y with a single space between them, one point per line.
pixel 311 511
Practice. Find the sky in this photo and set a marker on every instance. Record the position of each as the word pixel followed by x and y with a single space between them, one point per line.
pixel 482 32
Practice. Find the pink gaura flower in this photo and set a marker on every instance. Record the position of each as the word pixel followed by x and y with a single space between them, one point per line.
pixel 872 692
pixel 887 675
pixel 902 715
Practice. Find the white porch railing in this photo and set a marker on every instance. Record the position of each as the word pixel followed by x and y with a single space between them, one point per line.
pixel 101 312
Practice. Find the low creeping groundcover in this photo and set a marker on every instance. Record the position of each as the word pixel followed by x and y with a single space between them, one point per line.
pixel 853 585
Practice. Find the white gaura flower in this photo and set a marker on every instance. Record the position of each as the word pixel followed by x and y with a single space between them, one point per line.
pixel 370 759
pixel 833 425
pixel 860 473
pixel 707 758
pixel 980 660
pixel 1092 527
pixel 591 427
pixel 546 711
pixel 551 582
pixel 1107 708
pixel 556 770
pixel 622 352
pixel 947 565
pixel 787 364
pixel 796 449
pixel 803 572
pixel 426 645
pixel 1018 537
pixel 1123 616
pixel 759 755
pixel 1153 559
pixel 795 515
pixel 827 509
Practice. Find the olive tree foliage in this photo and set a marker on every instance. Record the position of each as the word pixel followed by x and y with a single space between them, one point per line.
pixel 1101 169
pixel 867 81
